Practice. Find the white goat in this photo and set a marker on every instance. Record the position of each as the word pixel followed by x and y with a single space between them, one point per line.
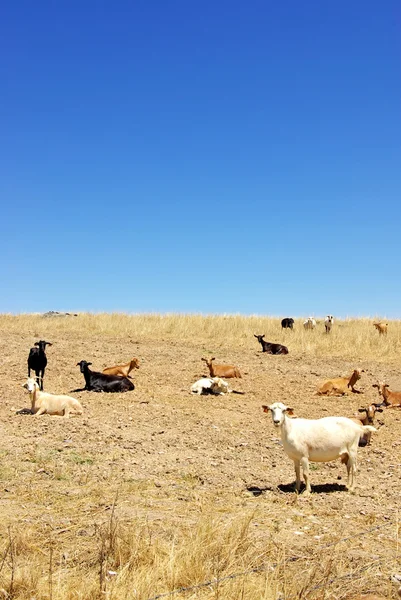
pixel 328 323
pixel 318 440
pixel 310 323
pixel 210 385
pixel 44 403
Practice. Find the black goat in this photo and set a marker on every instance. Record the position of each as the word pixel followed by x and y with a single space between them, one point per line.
pixel 287 323
pixel 99 382
pixel 271 348
pixel 37 361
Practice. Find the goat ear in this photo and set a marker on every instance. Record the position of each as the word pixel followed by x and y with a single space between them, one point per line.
pixel 379 410
pixel 289 410
pixel 265 408
pixel 386 385
pixel 375 385
pixel 49 343
pixel 361 409
pixel 36 344
pixel 88 363
pixel 213 358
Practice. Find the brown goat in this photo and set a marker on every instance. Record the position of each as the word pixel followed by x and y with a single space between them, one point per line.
pixel 226 371
pixel 122 370
pixel 381 328
pixel 366 419
pixel 340 385
pixel 390 399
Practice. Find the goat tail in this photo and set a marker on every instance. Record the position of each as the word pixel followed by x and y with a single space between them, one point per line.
pixel 369 428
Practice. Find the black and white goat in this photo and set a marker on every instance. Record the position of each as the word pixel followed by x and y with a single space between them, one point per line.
pixel 99 382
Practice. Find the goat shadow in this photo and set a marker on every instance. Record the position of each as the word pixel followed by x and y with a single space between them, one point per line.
pixel 322 488
pixel 24 411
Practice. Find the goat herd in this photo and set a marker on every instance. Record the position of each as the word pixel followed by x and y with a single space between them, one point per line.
pixel 304 440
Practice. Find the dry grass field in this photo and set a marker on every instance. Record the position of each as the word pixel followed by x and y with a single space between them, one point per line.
pixel 157 493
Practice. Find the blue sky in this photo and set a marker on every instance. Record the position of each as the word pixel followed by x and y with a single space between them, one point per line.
pixel 213 157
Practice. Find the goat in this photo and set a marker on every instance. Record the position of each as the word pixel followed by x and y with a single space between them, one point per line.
pixel 122 370
pixel 37 361
pixel 287 323
pixel 99 382
pixel 367 419
pixel 310 323
pixel 43 403
pixel 209 385
pixel 328 323
pixel 227 371
pixel 318 440
pixel 381 328
pixel 341 385
pixel 390 399
pixel 270 347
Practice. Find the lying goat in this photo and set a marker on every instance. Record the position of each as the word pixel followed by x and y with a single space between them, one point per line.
pixel 227 371
pixel 367 417
pixel 99 382
pixel 318 440
pixel 122 370
pixel 390 399
pixel 270 347
pixel 341 385
pixel 50 404
pixel 209 385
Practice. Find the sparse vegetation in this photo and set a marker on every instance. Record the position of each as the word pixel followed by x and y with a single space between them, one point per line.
pixel 155 490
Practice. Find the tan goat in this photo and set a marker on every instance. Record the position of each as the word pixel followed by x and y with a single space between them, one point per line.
pixel 390 399
pixel 221 370
pixel 381 328
pixel 340 385
pixel 122 370
pixel 50 404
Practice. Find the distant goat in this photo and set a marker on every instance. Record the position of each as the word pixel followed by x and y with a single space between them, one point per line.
pixel 341 385
pixel 227 371
pixel 210 385
pixel 270 347
pixel 381 328
pixel 51 404
pixel 37 361
pixel 122 370
pixel 310 323
pixel 318 440
pixel 390 399
pixel 328 323
pixel 287 323
pixel 99 382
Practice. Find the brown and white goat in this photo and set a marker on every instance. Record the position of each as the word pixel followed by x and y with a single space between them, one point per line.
pixel 340 385
pixel 122 370
pixel 381 328
pixel 390 399
pixel 221 370
pixel 367 417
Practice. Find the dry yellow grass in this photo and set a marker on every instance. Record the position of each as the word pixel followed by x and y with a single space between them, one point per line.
pixel 155 491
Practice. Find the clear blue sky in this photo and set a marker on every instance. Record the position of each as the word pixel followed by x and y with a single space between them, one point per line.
pixel 213 156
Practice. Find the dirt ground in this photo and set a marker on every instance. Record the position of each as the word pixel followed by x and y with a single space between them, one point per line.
pixel 164 452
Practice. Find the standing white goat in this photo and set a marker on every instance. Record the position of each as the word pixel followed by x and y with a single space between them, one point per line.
pixel 44 403
pixel 318 440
